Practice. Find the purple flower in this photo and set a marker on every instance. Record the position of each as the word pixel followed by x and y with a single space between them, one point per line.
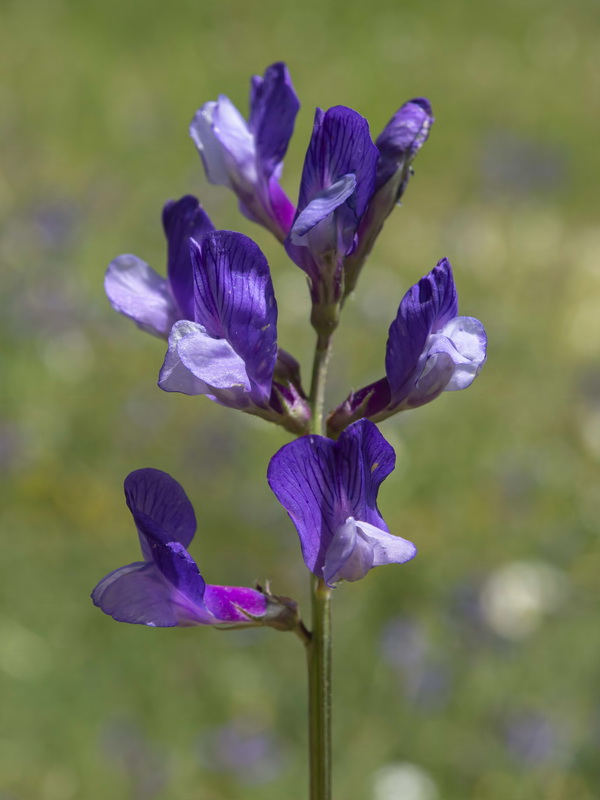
pixel 228 351
pixel 398 144
pixel 329 489
pixel 430 350
pixel 137 291
pixel 337 184
pixel 166 588
pixel 250 753
pixel 248 156
pixel 535 740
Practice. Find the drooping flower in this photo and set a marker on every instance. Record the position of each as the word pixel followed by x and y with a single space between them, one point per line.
pixel 329 489
pixel 248 156
pixel 228 351
pixel 398 144
pixel 166 588
pixel 155 303
pixel 337 183
pixel 430 350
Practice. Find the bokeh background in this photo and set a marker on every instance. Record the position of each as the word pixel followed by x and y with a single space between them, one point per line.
pixel 471 672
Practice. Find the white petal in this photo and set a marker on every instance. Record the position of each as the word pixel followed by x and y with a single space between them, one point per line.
pixel 137 291
pixel 196 363
pixel 209 146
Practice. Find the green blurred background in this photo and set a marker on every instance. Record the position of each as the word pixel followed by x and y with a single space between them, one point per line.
pixel 478 662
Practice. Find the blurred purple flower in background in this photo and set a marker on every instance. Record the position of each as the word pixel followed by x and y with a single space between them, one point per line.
pixel 243 749
pixel 154 303
pixel 166 589
pixel 535 740
pixel 425 677
pixel 517 167
pixel 55 222
pixel 145 764
pixel 329 489
pixel 430 350
pixel 248 156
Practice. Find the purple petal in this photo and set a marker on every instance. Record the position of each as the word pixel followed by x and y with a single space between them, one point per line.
pixel 425 309
pixel 282 207
pixel 225 603
pixel 321 483
pixel 341 144
pixel 402 138
pixel 302 477
pixel 158 496
pixel 235 301
pixel 273 109
pixel 140 594
pixel 322 205
pixel 364 460
pixel 183 219
pixel 137 291
pixel 184 584
pixel 178 568
pixel 197 363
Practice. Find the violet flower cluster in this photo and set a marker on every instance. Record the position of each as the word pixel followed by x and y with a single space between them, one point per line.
pixel 216 308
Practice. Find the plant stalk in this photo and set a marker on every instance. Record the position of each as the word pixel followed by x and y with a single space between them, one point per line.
pixel 319 692
pixel 318 649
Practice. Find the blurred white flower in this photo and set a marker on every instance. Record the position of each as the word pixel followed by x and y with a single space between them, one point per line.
pixel 405 781
pixel 516 597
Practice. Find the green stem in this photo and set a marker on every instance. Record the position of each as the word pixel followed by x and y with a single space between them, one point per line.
pixel 319 378
pixel 318 649
pixel 319 692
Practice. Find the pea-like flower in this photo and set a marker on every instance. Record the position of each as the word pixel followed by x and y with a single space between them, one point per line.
pixel 228 352
pixel 430 350
pixel 329 489
pixel 248 156
pixel 155 303
pixel 166 588
pixel 398 144
pixel 337 183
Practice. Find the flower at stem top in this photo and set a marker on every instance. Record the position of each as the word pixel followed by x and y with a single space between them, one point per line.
pixel 329 489
pixel 430 350
pixel 248 156
pixel 228 351
pixel 166 588
pixel 337 183
pixel 398 144
pixel 154 303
